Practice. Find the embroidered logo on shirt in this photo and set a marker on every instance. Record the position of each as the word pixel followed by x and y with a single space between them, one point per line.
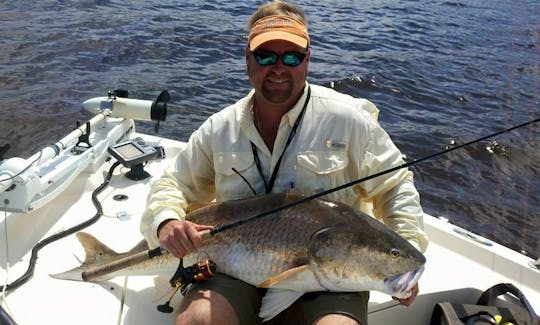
pixel 336 145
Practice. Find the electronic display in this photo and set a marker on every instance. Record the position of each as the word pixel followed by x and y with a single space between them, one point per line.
pixel 129 150
pixel 132 153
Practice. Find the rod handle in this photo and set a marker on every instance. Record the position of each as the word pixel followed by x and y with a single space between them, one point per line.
pixel 122 263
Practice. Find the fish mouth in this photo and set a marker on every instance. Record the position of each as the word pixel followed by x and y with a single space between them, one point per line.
pixel 400 285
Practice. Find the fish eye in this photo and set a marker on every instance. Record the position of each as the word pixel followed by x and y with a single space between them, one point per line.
pixel 394 252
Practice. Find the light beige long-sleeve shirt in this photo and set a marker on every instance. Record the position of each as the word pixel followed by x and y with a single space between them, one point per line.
pixel 339 140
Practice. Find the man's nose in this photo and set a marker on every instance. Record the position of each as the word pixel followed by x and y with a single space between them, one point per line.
pixel 279 67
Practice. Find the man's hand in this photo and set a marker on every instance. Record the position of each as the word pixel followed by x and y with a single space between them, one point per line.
pixel 180 237
pixel 408 301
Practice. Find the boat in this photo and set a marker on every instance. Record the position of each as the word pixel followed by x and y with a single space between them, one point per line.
pixel 97 178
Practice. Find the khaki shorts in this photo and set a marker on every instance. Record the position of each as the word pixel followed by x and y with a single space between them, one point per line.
pixel 246 301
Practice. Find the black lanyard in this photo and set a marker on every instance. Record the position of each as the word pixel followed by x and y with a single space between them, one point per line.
pixel 268 186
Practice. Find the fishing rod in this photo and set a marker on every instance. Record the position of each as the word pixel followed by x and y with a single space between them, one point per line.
pixel 149 254
pixel 363 179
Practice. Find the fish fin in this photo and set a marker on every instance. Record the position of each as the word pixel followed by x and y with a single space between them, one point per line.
pixel 163 291
pixel 284 276
pixel 140 247
pixel 291 197
pixel 94 249
pixel 97 254
pixel 277 300
pixel 73 275
pixel 162 288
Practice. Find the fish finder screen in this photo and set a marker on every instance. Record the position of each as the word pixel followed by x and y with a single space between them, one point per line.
pixel 129 150
pixel 131 153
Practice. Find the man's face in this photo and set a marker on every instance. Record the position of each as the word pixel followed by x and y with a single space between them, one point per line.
pixel 278 83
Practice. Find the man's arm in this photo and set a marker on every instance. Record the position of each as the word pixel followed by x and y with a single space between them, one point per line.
pixel 190 179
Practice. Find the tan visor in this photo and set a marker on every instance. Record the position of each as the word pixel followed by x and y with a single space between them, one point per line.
pixel 278 27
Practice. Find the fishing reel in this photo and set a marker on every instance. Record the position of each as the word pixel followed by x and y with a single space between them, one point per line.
pixel 184 276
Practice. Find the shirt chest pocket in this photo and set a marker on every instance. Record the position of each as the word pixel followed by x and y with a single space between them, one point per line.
pixel 322 170
pixel 230 185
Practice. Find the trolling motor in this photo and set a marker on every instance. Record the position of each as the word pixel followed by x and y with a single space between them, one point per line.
pixel 184 276
pixel 120 105
pixel 28 184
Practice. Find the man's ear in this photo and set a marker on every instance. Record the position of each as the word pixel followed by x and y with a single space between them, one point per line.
pixel 247 53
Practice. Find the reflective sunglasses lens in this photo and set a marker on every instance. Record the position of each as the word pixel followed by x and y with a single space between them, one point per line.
pixel 265 58
pixel 292 59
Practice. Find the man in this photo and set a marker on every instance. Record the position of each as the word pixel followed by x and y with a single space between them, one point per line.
pixel 285 136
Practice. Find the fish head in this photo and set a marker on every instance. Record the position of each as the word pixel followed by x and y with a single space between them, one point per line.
pixel 350 258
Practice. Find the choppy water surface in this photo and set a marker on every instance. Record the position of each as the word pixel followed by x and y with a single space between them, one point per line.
pixel 442 72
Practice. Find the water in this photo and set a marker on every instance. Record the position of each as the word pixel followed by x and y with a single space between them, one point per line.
pixel 442 72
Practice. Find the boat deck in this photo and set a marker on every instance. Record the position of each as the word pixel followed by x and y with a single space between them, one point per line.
pixel 458 267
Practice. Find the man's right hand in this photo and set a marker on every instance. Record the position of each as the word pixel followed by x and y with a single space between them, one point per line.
pixel 180 237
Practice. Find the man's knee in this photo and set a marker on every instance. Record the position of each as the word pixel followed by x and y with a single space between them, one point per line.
pixel 335 319
pixel 206 307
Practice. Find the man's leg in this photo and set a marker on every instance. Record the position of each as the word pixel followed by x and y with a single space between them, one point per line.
pixel 221 300
pixel 206 307
pixel 323 308
pixel 335 319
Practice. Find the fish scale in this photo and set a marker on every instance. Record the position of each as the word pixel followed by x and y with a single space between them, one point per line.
pixel 258 250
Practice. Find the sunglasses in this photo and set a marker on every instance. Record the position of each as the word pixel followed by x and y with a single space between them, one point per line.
pixel 291 59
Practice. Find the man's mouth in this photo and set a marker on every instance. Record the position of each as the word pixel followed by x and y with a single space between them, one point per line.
pixel 277 80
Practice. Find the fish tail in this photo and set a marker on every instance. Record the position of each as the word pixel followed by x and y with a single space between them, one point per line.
pixel 97 254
